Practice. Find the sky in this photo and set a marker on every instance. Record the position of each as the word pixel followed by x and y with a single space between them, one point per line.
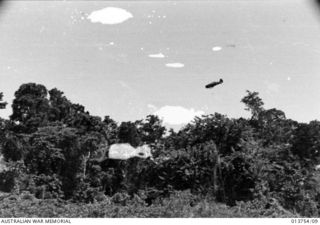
pixel 129 59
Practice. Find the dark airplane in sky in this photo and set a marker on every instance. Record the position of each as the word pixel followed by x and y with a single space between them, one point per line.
pixel 215 83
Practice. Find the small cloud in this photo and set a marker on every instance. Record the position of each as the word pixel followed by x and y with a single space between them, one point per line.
pixel 109 15
pixel 289 78
pixel 216 48
pixel 177 115
pixel 159 55
pixel 175 65
pixel 111 43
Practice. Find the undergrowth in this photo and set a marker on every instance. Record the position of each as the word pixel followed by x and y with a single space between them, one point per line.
pixel 179 205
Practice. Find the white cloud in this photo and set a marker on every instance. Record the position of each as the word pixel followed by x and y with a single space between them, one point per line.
pixel 216 48
pixel 109 15
pixel 159 55
pixel 175 115
pixel 175 65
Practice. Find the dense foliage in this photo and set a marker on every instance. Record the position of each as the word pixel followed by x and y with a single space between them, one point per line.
pixel 54 163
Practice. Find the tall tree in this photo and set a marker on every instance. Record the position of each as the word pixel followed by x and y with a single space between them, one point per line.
pixel 253 103
pixel 128 133
pixel 2 121
pixel 56 151
pixel 151 129
pixel 274 128
pixel 30 107
pixel 226 133
pixel 60 106
pixel 111 129
pixel 306 141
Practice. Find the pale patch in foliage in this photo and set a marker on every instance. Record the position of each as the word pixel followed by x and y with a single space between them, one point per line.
pixel 2 164
pixel 126 151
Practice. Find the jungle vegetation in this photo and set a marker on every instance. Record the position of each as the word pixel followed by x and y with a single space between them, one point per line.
pixel 215 166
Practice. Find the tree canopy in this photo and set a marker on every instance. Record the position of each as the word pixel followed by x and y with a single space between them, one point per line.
pixel 55 149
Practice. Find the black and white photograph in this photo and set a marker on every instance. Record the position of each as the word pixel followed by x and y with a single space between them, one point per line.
pixel 159 109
